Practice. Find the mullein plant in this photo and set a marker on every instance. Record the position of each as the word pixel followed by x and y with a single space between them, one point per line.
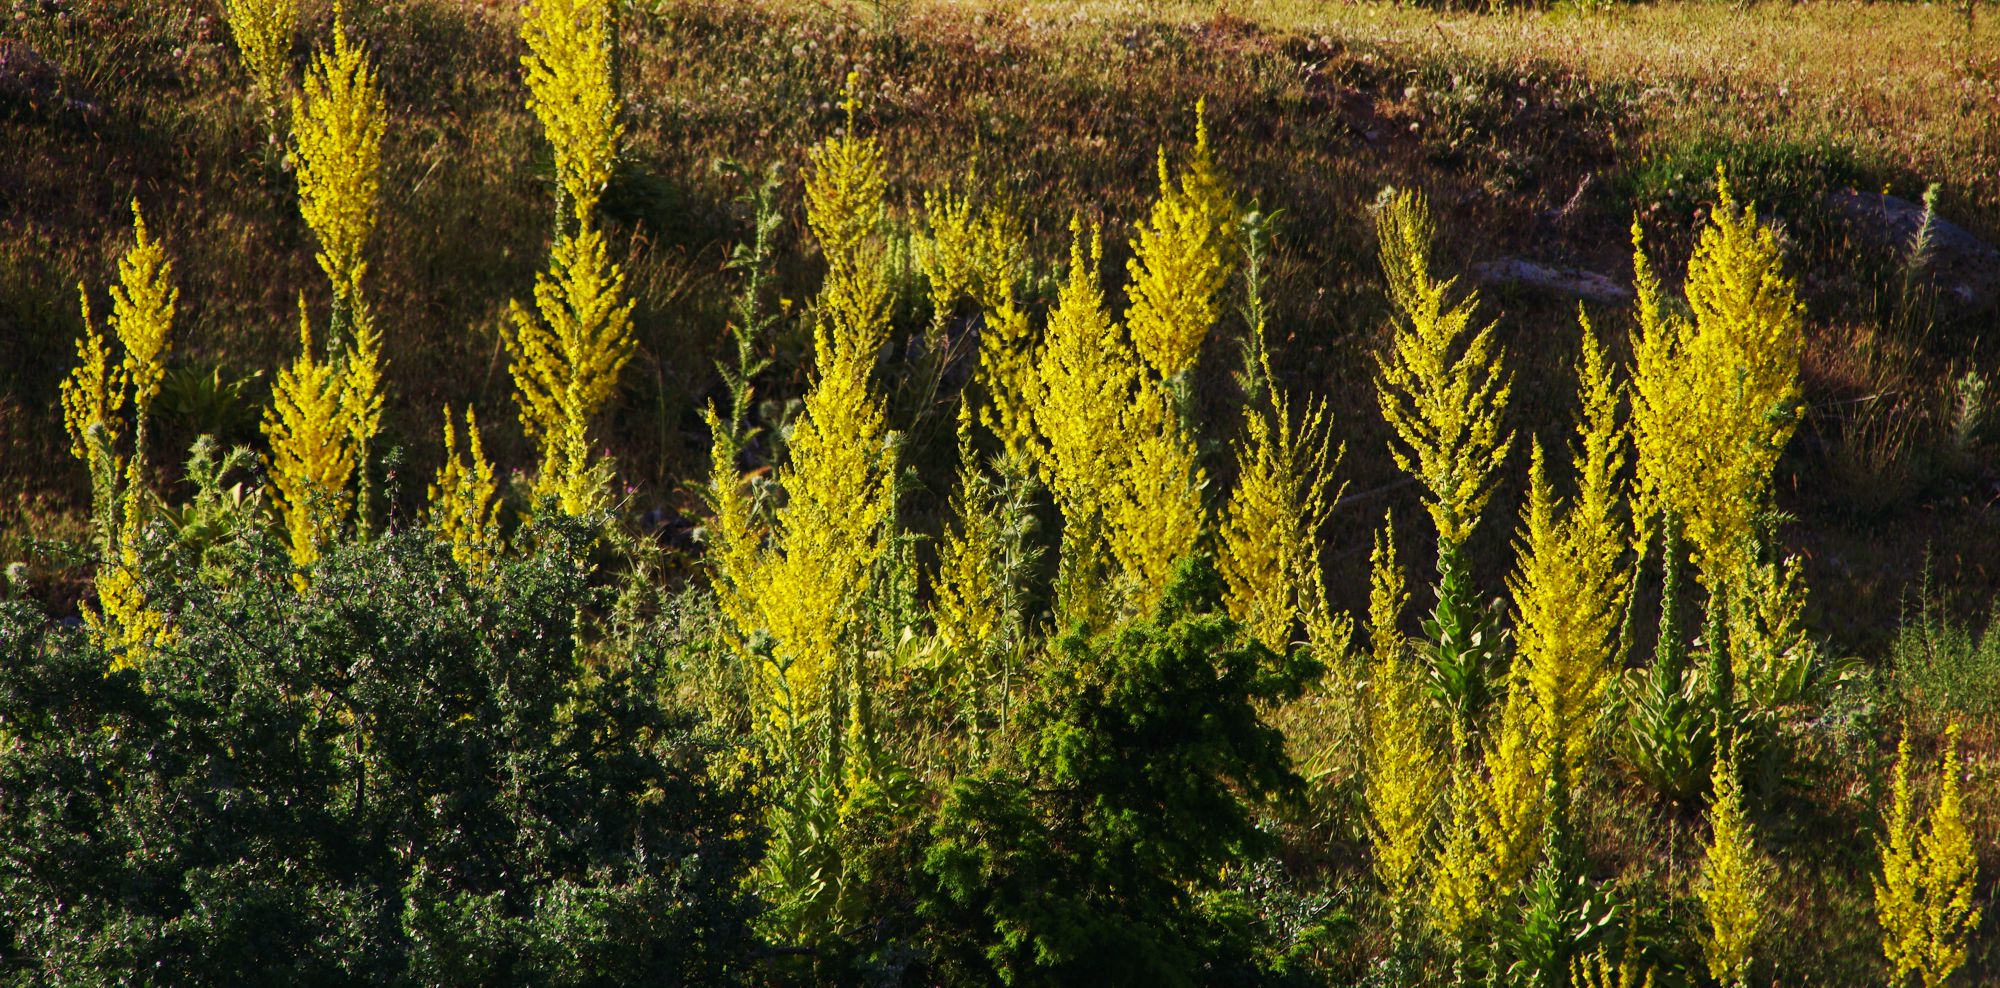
pixel 326 408
pixel 1406 775
pixel 338 123
pixel 566 355
pixel 315 412
pixel 792 598
pixel 1181 257
pixel 94 396
pixel 464 505
pixel 1443 393
pixel 1714 400
pixel 1733 878
pixel 1924 896
pixel 1495 823
pixel 1573 585
pixel 1715 396
pixel 1269 539
pixel 1101 405
pixel 263 31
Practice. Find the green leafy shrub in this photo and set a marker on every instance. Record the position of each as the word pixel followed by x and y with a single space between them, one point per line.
pixel 398 776
pixel 1095 856
pixel 1943 666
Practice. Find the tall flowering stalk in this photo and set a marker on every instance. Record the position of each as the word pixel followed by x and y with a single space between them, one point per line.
pixel 1572 585
pixel 1269 554
pixel 263 31
pixel 311 426
pixel 1924 895
pixel 1440 386
pixel 1181 258
pixel 1715 397
pixel 1733 879
pixel 338 123
pixel 1405 775
pixel 1441 389
pixel 463 499
pixel 566 355
pixel 802 588
pixel 143 305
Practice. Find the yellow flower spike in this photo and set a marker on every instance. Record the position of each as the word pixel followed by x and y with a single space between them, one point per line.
pixel 263 31
pixel 802 588
pixel 565 360
pixel 1269 554
pixel 1923 898
pixel 568 71
pixel 1405 777
pixel 1571 585
pixel 142 314
pixel 1155 514
pixel 94 392
pixel 1441 388
pixel 337 128
pixel 1715 398
pixel 310 429
pixel 1733 882
pixel 1181 259
pixel 464 507
pixel 1084 375
pixel 1111 444
pixel 968 588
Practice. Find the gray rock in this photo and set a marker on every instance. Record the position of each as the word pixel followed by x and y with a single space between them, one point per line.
pixel 1965 269
pixel 31 81
pixel 1566 282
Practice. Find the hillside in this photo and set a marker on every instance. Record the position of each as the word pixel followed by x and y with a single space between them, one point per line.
pixel 1051 512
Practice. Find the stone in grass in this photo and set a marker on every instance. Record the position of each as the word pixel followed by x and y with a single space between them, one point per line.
pixel 1574 283
pixel 1964 268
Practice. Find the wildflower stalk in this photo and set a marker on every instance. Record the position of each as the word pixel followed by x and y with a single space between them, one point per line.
pixel 1923 897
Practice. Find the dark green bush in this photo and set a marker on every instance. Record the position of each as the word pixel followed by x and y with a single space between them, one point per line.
pixel 1095 857
pixel 399 776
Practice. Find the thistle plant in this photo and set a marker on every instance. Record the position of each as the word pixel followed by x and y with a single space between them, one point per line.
pixel 750 322
pixel 1715 396
pixel 1572 589
pixel 1923 898
pixel 143 305
pixel 464 508
pixel 1733 881
pixel 1181 258
pixel 565 356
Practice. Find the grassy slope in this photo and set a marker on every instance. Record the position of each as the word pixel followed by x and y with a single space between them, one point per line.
pixel 1315 107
